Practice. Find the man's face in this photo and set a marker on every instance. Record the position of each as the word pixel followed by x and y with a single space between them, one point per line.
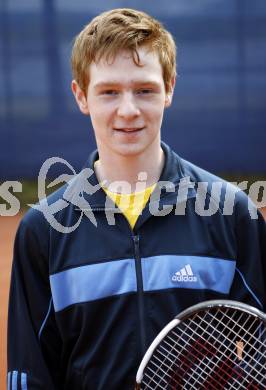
pixel 126 103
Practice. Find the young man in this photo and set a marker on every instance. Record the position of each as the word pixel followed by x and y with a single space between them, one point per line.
pixel 84 306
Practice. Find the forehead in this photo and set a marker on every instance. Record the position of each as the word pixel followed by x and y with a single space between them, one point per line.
pixel 122 69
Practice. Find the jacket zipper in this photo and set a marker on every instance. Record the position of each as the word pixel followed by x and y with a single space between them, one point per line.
pixel 140 293
pixel 143 339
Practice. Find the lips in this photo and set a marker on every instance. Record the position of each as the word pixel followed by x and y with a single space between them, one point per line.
pixel 129 129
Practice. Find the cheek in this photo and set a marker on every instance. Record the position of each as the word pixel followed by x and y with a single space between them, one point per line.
pixel 101 117
pixel 155 112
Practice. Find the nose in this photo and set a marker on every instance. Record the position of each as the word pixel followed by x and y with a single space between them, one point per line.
pixel 127 106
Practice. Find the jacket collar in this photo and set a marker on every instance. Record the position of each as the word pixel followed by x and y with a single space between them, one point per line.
pixel 172 172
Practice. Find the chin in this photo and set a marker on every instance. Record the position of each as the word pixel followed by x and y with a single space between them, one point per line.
pixel 130 150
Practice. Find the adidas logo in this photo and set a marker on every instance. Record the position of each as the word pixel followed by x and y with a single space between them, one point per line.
pixel 184 275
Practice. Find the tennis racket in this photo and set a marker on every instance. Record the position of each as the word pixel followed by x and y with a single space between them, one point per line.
pixel 214 345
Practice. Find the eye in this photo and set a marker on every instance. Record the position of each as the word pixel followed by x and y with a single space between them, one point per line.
pixel 144 91
pixel 109 92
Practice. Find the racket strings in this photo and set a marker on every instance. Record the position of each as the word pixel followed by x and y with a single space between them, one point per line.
pixel 199 336
pixel 171 361
pixel 214 385
pixel 258 347
pixel 213 362
pixel 197 380
pixel 170 376
pixel 210 385
pixel 206 346
pixel 170 366
pixel 255 340
pixel 221 375
pixel 166 371
pixel 248 331
pixel 252 347
pixel 155 377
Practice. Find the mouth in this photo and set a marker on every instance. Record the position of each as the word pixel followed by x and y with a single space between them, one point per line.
pixel 129 130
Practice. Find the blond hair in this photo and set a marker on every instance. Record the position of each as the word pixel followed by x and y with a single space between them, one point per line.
pixel 122 29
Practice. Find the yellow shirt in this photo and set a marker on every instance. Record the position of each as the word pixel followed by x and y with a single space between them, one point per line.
pixel 131 205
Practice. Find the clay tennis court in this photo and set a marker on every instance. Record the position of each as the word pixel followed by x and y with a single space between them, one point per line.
pixel 8 226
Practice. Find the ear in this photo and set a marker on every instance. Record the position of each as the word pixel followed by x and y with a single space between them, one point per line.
pixel 80 97
pixel 169 95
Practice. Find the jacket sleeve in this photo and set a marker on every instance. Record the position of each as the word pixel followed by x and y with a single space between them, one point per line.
pixel 34 343
pixel 250 280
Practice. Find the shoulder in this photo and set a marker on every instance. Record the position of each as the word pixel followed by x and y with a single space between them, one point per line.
pixel 34 218
pixel 230 196
pixel 61 211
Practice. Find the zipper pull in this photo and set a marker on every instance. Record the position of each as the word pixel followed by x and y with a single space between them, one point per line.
pixel 136 239
pixel 136 244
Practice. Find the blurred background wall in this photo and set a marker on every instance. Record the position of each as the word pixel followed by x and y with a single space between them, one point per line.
pixel 218 117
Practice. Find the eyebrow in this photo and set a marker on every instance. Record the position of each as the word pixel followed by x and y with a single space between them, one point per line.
pixel 111 84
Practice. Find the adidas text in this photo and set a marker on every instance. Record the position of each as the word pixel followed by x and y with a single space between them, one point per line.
pixel 181 278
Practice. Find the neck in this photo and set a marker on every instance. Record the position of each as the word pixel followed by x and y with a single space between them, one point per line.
pixel 130 170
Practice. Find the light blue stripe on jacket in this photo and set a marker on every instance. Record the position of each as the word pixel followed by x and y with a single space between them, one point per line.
pixel 24 381
pixel 8 380
pixel 165 272
pixel 91 282
pixel 14 380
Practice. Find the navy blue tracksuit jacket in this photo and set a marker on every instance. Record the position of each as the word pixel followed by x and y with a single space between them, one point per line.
pixel 85 305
